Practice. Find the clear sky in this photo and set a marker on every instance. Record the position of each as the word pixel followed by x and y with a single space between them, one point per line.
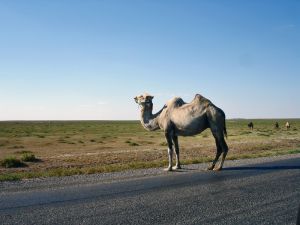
pixel 71 59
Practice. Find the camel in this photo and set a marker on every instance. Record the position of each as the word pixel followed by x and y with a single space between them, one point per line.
pixel 250 125
pixel 287 125
pixel 178 118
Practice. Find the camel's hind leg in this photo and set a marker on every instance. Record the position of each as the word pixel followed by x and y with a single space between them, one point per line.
pixel 224 150
pixel 218 153
pixel 175 141
pixel 221 148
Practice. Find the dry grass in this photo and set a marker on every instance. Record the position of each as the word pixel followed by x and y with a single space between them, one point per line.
pixel 77 147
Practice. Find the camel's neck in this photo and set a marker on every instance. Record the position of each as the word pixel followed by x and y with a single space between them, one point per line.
pixel 148 120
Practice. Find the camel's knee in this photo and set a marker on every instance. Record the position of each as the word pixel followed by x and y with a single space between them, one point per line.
pixel 176 151
pixel 169 140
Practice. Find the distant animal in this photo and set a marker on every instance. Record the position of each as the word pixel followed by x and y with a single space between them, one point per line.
pixel 276 125
pixel 178 118
pixel 287 125
pixel 250 125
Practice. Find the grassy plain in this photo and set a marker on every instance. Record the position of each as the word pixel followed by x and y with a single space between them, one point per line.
pixel 83 147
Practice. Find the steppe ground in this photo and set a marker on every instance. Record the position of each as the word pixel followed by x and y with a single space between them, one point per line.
pixel 78 147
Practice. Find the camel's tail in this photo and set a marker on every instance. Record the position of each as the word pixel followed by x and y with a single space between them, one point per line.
pixel 225 131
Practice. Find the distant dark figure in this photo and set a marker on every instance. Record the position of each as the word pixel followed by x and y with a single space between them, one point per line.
pixel 276 125
pixel 250 125
pixel 287 125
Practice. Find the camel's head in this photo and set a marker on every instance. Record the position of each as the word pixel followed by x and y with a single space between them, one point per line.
pixel 145 101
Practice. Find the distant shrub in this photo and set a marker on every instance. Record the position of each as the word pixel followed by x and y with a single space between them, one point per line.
pixel 133 144
pixel 11 162
pixel 92 140
pixel 41 136
pixel 163 144
pixel 294 151
pixel 264 134
pixel 28 157
pixel 17 146
pixel 61 140
pixel 23 152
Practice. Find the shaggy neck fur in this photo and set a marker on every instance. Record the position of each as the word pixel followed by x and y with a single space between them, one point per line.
pixel 148 120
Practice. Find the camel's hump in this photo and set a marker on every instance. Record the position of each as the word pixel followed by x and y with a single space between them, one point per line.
pixel 201 99
pixel 175 102
pixel 178 102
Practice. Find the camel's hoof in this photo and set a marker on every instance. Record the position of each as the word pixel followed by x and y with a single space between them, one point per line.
pixel 218 169
pixel 168 169
pixel 210 168
pixel 176 167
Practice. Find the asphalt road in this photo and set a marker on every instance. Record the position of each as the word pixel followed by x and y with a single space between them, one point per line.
pixel 264 193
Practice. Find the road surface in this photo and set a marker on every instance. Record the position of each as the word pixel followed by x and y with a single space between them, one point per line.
pixel 245 192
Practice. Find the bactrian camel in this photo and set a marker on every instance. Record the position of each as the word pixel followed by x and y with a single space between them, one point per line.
pixel 178 118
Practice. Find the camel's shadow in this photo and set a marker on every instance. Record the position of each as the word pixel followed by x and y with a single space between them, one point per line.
pixel 183 170
pixel 263 168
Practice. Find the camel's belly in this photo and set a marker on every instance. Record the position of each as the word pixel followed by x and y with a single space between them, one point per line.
pixel 190 128
pixel 189 132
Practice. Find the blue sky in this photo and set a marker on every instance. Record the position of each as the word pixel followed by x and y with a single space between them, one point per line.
pixel 63 59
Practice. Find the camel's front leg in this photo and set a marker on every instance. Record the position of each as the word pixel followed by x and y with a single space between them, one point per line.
pixel 170 151
pixel 175 140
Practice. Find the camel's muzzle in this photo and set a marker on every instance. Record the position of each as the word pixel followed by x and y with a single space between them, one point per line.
pixel 142 102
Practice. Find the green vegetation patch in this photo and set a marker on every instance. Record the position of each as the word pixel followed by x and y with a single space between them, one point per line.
pixel 296 151
pixel 12 162
pixel 11 177
pixel 23 152
pixel 28 157
pixel 131 143
pixel 163 143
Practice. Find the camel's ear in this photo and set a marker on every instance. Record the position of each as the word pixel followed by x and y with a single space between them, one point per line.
pixel 150 97
pixel 136 99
